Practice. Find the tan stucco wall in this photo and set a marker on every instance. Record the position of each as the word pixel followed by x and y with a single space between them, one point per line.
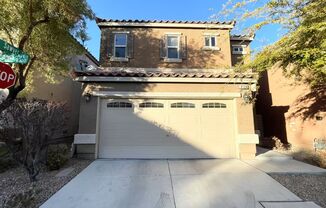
pixel 87 116
pixel 64 89
pixel 245 117
pixel 241 58
pixel 294 106
pixel 147 48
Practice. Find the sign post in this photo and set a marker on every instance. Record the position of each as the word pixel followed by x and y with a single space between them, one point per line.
pixel 11 54
pixel 7 76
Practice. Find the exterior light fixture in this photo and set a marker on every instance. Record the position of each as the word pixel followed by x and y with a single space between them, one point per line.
pixel 247 97
pixel 88 97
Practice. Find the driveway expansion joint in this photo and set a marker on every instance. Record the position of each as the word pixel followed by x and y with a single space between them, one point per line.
pixel 171 184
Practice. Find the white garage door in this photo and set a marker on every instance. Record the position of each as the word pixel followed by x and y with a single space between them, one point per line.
pixel 131 128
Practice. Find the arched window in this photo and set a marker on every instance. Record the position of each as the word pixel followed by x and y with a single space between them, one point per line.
pixel 151 105
pixel 182 105
pixel 214 105
pixel 119 105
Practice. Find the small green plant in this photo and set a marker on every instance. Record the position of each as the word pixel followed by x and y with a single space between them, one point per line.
pixel 57 157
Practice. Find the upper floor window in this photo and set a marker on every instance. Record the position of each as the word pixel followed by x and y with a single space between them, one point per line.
pixel 173 46
pixel 238 49
pixel 83 65
pixel 120 45
pixel 210 42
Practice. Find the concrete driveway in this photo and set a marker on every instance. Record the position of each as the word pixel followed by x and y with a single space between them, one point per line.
pixel 170 184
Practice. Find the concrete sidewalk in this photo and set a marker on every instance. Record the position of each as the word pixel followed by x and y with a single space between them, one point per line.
pixel 171 184
pixel 270 161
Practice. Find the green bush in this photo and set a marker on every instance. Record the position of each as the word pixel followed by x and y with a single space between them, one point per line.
pixel 57 157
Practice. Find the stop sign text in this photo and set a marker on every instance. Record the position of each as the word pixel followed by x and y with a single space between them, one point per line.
pixel 7 76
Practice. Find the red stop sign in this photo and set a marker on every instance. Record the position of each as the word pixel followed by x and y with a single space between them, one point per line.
pixel 7 76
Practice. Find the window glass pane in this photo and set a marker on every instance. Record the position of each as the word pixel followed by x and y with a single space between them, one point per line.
pixel 120 39
pixel 151 105
pixel 120 52
pixel 119 105
pixel 241 49
pixel 173 53
pixel 235 49
pixel 172 40
pixel 213 41
pixel 182 105
pixel 214 105
pixel 206 41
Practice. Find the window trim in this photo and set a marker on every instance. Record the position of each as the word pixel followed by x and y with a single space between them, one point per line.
pixel 178 59
pixel 239 52
pixel 210 47
pixel 115 58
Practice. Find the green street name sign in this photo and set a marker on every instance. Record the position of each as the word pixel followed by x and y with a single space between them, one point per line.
pixel 11 54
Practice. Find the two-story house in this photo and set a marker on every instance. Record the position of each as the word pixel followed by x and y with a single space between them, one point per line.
pixel 166 89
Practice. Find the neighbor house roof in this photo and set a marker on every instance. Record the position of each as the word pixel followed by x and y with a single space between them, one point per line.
pixel 243 37
pixel 163 23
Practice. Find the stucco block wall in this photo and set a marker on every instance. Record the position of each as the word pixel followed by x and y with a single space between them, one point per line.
pixel 290 110
pixel 146 48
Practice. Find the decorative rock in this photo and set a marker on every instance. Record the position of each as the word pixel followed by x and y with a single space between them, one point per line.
pixel 65 172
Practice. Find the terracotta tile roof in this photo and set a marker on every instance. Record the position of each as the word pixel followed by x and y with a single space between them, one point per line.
pixel 124 73
pixel 100 20
pixel 242 37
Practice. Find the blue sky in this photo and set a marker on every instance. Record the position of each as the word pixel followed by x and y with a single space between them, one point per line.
pixel 167 10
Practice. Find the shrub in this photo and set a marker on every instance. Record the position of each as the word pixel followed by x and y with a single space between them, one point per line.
pixel 57 156
pixel 6 161
pixel 309 156
pixel 22 199
pixel 278 145
pixel 27 127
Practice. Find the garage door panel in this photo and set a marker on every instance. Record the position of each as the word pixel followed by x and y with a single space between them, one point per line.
pixel 153 152
pixel 167 129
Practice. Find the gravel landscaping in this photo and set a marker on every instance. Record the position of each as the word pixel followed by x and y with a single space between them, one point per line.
pixel 307 187
pixel 16 180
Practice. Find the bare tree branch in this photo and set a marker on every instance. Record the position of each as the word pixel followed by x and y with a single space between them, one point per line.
pixel 30 29
pixel 29 66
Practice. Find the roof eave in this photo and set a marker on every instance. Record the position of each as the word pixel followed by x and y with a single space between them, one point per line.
pixel 165 25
